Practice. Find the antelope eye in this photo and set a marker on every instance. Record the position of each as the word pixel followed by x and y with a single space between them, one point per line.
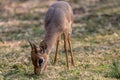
pixel 41 61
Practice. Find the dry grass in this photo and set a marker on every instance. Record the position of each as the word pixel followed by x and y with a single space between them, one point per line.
pixel 95 38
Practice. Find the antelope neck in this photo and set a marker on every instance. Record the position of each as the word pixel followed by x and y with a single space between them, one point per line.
pixel 50 40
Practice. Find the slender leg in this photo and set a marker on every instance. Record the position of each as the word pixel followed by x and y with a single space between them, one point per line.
pixel 56 53
pixel 66 48
pixel 71 52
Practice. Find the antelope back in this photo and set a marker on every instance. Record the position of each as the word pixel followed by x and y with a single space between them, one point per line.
pixel 58 17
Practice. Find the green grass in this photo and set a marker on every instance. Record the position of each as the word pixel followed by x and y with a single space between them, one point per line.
pixel 114 70
pixel 95 47
pixel 30 16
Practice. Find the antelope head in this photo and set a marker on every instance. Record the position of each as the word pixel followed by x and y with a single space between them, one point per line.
pixel 39 57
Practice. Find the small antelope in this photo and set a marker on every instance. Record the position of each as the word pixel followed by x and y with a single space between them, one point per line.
pixel 58 21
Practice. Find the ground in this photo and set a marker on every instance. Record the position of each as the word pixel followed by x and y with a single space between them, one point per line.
pixel 95 40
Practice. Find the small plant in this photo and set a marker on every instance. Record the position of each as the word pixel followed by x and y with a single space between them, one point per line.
pixel 75 1
pixel 114 70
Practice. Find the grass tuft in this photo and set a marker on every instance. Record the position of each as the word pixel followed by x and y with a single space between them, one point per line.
pixel 114 70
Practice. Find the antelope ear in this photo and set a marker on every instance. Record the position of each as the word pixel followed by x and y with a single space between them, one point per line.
pixel 43 45
pixel 33 46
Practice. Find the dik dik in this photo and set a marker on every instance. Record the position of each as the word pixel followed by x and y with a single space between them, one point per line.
pixel 58 21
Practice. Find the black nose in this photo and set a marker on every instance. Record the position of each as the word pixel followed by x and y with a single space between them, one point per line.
pixel 40 61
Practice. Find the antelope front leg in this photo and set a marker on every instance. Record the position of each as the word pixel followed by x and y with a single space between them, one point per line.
pixel 66 48
pixel 56 53
pixel 71 52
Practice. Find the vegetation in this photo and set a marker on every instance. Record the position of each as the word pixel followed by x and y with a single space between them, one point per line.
pixel 95 39
pixel 114 70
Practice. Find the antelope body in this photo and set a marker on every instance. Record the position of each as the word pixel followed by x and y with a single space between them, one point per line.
pixel 58 21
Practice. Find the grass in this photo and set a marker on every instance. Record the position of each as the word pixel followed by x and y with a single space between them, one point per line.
pixel 114 71
pixel 95 47
pixel 31 16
